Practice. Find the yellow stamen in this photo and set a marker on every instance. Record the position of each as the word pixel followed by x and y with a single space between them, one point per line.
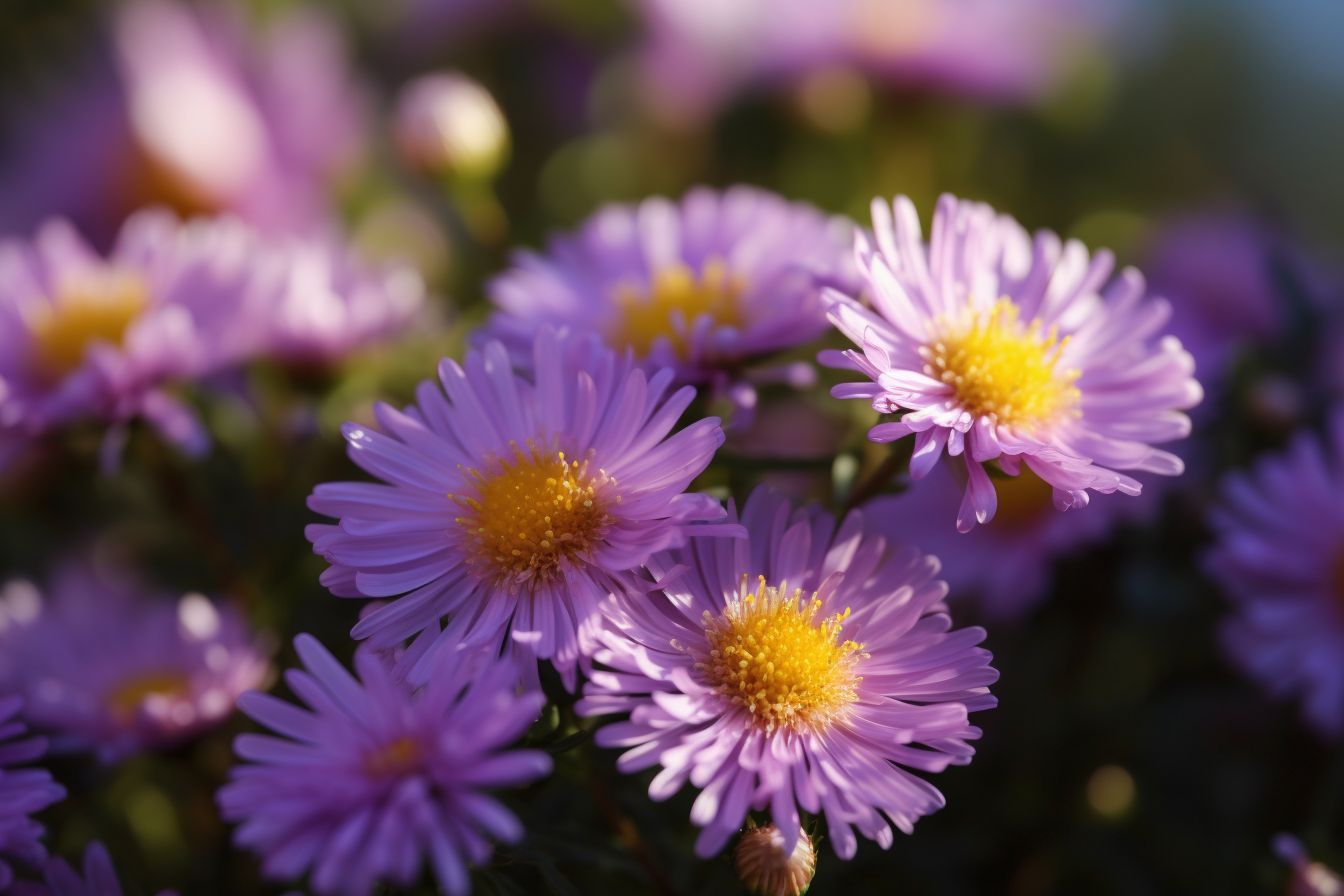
pixel 770 654
pixel 397 757
pixel 676 299
pixel 532 514
pixel 1003 369
pixel 128 698
pixel 92 307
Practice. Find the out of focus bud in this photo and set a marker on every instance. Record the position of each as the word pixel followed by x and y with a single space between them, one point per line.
pixel 766 870
pixel 1308 878
pixel 447 125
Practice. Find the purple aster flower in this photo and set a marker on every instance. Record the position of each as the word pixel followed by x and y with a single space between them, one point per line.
pixel 373 778
pixel 1280 530
pixel 515 505
pixel 702 286
pixel 99 877
pixel 1004 566
pixel 994 346
pixel 23 791
pixel 321 302
pixel 806 667
pixel 103 667
pixel 192 109
pixel 83 335
pixel 700 53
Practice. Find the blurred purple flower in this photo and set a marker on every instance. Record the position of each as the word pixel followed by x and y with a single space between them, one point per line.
pixel 1280 558
pixel 103 667
pixel 88 336
pixel 701 52
pixel 1004 566
pixel 320 302
pixel 372 778
pixel 99 877
pixel 197 112
pixel 994 346
pixel 515 505
pixel 803 667
pixel 23 791
pixel 703 286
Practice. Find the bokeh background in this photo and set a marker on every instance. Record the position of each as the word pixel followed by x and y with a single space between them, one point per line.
pixel 1199 140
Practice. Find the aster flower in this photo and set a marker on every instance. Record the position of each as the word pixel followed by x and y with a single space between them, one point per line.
pixel 997 347
pixel 321 302
pixel 194 109
pixel 806 667
pixel 372 778
pixel 703 286
pixel 84 335
pixel 765 869
pixel 698 54
pixel 1004 566
pixel 1280 537
pixel 515 505
pixel 98 877
pixel 104 667
pixel 23 791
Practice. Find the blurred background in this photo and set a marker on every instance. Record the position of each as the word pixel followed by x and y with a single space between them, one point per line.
pixel 1198 140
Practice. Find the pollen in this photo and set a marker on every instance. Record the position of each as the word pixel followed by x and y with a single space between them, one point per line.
pixel 677 298
pixel 1003 369
pixel 92 307
pixel 770 654
pixel 532 515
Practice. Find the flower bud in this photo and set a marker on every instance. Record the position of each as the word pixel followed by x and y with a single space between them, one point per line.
pixel 766 870
pixel 448 125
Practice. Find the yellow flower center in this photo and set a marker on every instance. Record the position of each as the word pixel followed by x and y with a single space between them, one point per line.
pixel 1001 368
pixel 533 514
pixel 771 655
pixel 397 757
pixel 126 701
pixel 90 307
pixel 1022 499
pixel 675 300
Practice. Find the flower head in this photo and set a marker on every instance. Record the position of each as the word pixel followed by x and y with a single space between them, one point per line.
pixel 996 347
pixel 372 779
pixel 1005 565
pixel 196 110
pixel 23 791
pixel 703 286
pixel 795 669
pixel 1280 558
pixel 318 302
pixel 765 869
pixel 104 667
pixel 83 335
pixel 514 505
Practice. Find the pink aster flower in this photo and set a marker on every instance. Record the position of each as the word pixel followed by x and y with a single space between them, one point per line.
pixel 994 346
pixel 88 336
pixel 514 505
pixel 103 667
pixel 193 108
pixel 1004 567
pixel 1280 531
pixel 806 667
pixel 321 302
pixel 703 286
pixel 23 792
pixel 372 778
